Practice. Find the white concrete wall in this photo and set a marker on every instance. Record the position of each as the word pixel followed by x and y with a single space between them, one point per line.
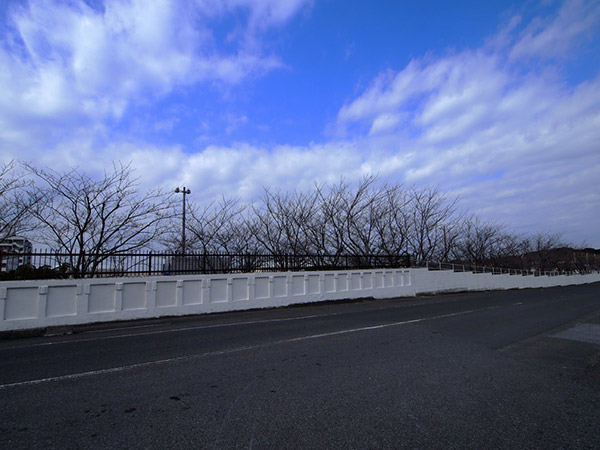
pixel 435 281
pixel 39 304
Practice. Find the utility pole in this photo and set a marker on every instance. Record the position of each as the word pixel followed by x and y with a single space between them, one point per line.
pixel 184 191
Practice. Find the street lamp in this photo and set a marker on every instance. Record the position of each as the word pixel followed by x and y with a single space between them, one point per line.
pixel 184 191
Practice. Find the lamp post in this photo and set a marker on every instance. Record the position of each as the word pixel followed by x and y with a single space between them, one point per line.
pixel 184 191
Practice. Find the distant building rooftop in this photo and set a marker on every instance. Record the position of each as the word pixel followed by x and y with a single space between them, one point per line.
pixel 17 247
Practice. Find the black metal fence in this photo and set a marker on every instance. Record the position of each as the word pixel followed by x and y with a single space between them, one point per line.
pixel 48 264
pixel 460 267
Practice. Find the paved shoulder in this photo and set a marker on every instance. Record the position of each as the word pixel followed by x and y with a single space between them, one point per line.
pixel 572 350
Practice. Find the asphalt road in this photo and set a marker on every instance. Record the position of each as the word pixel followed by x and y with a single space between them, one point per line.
pixel 513 369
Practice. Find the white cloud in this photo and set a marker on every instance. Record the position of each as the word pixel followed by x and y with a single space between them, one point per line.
pixel 518 146
pixel 100 61
pixel 64 61
pixel 266 13
pixel 384 123
pixel 556 38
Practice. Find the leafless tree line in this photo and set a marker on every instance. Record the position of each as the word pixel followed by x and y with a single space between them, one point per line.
pixel 329 220
pixel 94 218
pixel 16 201
pixel 415 224
pixel 90 219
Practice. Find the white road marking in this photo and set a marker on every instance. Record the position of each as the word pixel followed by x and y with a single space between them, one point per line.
pixel 75 376
pixel 125 328
pixel 175 330
pixel 172 330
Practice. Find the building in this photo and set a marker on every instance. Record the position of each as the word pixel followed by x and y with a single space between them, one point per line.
pixel 14 253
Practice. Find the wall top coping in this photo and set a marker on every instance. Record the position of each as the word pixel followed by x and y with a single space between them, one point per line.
pixel 191 277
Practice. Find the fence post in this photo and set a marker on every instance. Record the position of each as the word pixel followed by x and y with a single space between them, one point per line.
pixel 150 263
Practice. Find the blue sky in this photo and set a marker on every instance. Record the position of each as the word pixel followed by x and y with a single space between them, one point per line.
pixel 495 102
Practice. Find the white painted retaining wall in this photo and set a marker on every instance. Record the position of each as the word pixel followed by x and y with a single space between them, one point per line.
pixel 432 281
pixel 39 304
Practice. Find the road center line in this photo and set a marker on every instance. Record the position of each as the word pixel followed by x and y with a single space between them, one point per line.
pixel 228 351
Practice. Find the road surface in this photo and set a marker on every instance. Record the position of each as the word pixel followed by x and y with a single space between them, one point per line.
pixel 512 369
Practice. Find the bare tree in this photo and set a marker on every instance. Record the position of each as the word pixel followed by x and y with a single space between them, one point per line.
pixel 217 237
pixel 331 232
pixel 343 221
pixel 539 250
pixel 431 212
pixel 280 224
pixel 93 219
pixel 350 214
pixel 317 224
pixel 392 221
pixel 267 224
pixel 450 233
pixel 219 227
pixel 16 202
pixel 359 211
pixel 481 242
